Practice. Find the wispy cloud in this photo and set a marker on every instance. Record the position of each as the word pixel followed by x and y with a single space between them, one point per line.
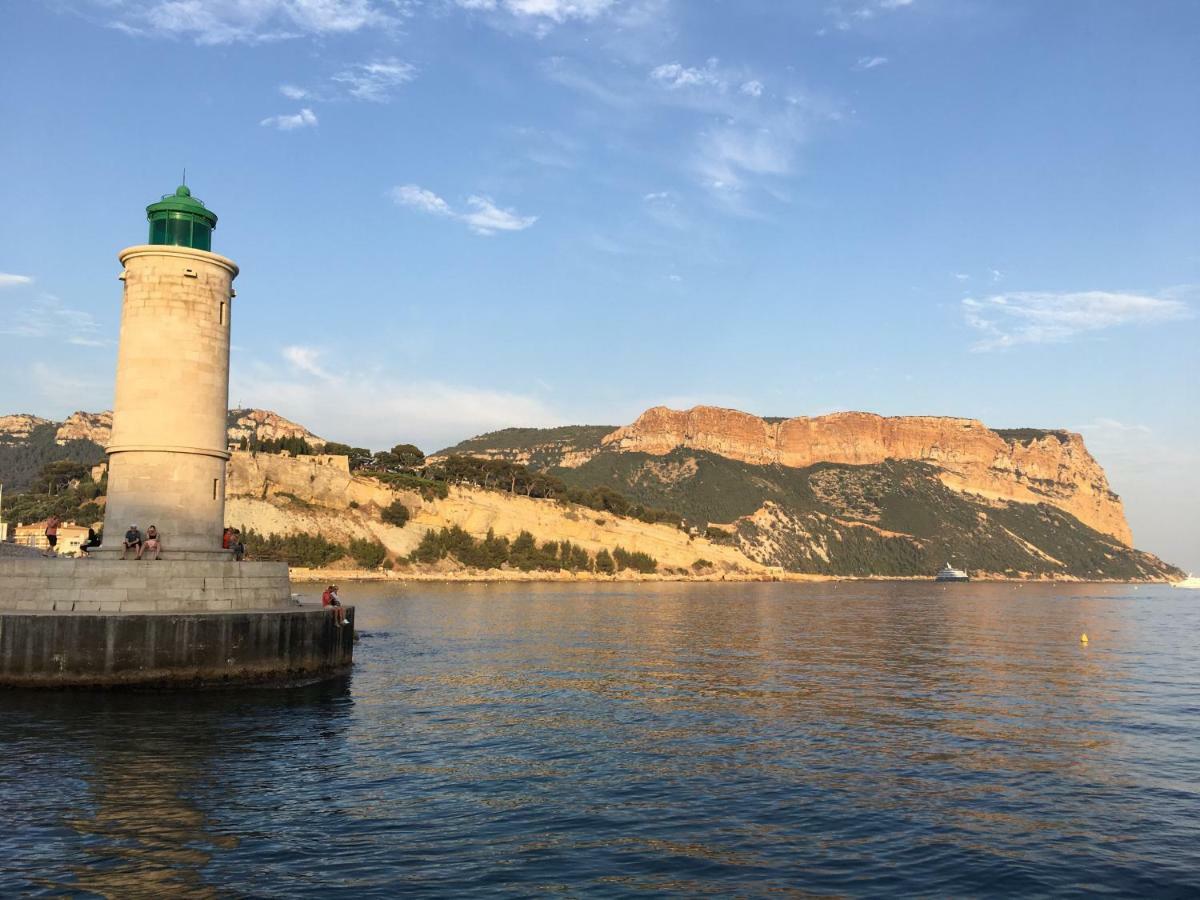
pixel 306 118
pixel 46 317
pixel 432 414
pixel 752 88
pixel 846 14
pixel 1007 320
pixel 556 11
pixel 375 81
pixel 292 92
pixel 305 359
pixel 482 215
pixel 9 280
pixel 248 21
pixel 870 62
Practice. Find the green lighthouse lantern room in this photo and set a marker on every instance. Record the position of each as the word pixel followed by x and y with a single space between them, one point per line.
pixel 181 220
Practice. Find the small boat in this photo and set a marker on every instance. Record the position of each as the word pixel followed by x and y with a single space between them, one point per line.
pixel 1192 582
pixel 952 574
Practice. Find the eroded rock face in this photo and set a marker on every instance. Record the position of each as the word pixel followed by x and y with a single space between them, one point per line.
pixel 18 426
pixel 267 426
pixel 1039 467
pixel 86 426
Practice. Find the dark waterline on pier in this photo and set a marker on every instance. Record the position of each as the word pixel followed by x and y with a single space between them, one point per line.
pixel 681 739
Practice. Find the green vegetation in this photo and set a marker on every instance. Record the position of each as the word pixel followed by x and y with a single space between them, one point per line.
pixel 578 436
pixel 310 550
pixel 22 460
pixel 296 446
pixel 1029 435
pixel 368 554
pixel 395 514
pixel 62 488
pixel 524 553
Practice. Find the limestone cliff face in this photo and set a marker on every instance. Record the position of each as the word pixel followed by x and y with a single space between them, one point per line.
pixel 1035 467
pixel 267 426
pixel 18 426
pixel 86 426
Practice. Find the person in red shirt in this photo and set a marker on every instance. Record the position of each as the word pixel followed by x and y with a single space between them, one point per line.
pixel 330 599
pixel 227 538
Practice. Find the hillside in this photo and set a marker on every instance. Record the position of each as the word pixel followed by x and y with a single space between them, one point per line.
pixel 27 443
pixel 856 494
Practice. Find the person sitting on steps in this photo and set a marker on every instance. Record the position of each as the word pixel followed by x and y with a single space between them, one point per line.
pixel 133 541
pixel 152 542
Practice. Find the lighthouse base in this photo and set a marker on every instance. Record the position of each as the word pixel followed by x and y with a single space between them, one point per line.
pixel 165 623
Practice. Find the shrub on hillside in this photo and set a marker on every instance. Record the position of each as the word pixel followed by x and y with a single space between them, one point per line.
pixel 309 550
pixel 367 553
pixel 639 562
pixel 395 514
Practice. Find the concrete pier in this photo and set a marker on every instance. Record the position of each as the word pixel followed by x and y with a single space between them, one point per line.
pixel 172 650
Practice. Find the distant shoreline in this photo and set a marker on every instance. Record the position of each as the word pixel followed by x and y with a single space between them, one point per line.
pixel 300 575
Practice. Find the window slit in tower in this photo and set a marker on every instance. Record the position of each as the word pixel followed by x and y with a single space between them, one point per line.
pixel 216 483
pixel 222 312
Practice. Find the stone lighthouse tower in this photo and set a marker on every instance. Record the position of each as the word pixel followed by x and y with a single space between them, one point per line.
pixel 167 453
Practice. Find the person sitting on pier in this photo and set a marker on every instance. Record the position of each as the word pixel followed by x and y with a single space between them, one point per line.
pixel 133 541
pixel 330 599
pixel 227 538
pixel 235 544
pixel 91 543
pixel 152 542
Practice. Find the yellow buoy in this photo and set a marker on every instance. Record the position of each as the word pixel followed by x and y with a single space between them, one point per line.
pixel 1083 638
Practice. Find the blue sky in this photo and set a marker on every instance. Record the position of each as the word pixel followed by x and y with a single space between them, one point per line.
pixel 459 215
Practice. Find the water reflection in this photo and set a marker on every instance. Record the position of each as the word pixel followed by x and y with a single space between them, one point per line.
pixel 137 781
pixel 745 739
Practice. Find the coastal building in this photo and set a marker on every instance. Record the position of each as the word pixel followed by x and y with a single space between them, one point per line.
pixel 70 537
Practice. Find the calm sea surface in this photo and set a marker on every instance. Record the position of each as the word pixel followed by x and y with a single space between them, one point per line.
pixel 861 739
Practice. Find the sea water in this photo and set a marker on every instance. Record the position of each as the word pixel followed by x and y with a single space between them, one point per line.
pixel 676 739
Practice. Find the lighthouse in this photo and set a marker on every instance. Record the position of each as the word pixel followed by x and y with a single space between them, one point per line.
pixel 168 450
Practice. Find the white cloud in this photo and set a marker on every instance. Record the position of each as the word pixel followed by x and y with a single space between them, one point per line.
pixel 996 274
pixel 655 195
pixel 483 217
pixel 9 280
pixel 306 118
pixel 417 197
pixel 249 21
pixel 675 76
pixel 292 92
pixel 894 4
pixel 432 414
pixel 870 62
pixel 961 276
pixel 1040 318
pixel 752 88
pixel 375 81
pixel 486 218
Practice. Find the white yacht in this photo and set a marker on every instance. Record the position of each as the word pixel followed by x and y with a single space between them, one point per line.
pixel 1192 582
pixel 952 574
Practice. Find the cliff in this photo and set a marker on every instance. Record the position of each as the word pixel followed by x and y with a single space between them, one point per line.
pixel 1034 467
